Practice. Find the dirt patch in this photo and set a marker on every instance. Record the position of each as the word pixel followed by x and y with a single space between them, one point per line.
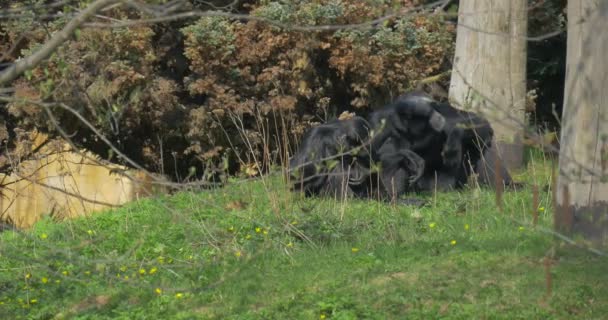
pixel 400 277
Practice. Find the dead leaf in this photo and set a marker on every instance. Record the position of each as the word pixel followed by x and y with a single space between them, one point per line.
pixel 236 205
pixel 444 308
pixel 346 115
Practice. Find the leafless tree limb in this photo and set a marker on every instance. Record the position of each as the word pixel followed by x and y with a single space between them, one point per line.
pixel 317 28
pixel 47 6
pixel 71 194
pixel 53 43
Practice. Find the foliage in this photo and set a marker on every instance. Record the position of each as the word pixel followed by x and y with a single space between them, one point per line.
pixel 547 60
pixel 189 96
pixel 546 17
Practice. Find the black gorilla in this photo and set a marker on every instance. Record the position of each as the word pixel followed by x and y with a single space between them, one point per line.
pixel 338 158
pixel 331 156
pixel 410 123
pixel 412 144
pixel 466 148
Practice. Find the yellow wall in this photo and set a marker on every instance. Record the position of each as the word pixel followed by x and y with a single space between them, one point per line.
pixel 66 183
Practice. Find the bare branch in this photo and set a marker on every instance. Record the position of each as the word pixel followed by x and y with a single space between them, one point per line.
pixel 46 6
pixel 318 28
pixel 66 192
pixel 52 44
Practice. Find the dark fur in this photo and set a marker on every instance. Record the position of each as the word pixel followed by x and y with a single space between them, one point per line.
pixel 412 144
pixel 324 163
pixel 466 141
pixel 407 123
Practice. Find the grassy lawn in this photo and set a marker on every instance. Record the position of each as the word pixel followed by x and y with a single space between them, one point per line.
pixel 252 250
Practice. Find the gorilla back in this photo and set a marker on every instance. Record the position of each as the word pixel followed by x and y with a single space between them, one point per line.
pixel 466 142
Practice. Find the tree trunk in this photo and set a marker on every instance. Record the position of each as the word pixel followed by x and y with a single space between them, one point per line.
pixel 489 72
pixel 582 187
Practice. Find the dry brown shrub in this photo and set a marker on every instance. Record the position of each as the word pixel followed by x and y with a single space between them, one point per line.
pixel 241 84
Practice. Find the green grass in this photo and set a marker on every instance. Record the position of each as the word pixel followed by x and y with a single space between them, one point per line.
pixel 252 250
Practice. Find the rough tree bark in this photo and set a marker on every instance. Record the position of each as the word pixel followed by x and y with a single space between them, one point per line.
pixel 582 187
pixel 489 73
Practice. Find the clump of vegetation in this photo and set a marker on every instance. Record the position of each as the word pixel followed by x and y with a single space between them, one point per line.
pixel 217 93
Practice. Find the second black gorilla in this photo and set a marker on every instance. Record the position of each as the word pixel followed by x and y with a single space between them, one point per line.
pixel 466 148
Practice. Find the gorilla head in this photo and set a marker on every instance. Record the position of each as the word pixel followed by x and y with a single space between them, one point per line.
pixel 408 122
pixel 331 156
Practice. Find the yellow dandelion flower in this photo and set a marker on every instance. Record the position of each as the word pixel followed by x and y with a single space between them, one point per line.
pixel 293 223
pixel 179 295
pixel 33 301
pixel 466 227
pixel 258 230
pixel 265 232
pixel 354 250
pixel 238 254
pixel 453 242
pixel 142 271
pixel 190 257
pixel 65 273
pixel 88 273
pixel 322 316
pixel 153 270
pixel 161 259
pixel 290 245
pixel 126 277
pixel 231 229
pixel 432 225
pixel 90 232
pixel 43 236
pixel 158 291
pixel 541 209
pixel 28 275
pixel 44 280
